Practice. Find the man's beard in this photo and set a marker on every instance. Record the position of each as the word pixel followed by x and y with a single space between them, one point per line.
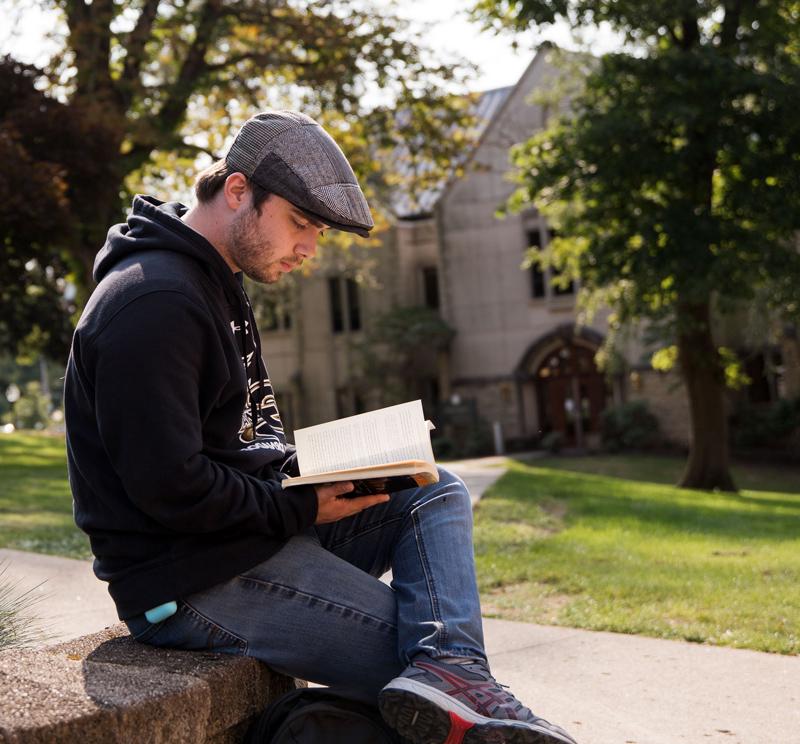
pixel 252 254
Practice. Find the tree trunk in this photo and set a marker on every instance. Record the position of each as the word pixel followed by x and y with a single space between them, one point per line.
pixel 709 462
pixel 96 198
pixel 107 211
pixel 790 351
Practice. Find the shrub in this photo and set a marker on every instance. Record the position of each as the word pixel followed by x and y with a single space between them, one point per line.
pixel 553 441
pixel 464 440
pixel 443 448
pixel 522 444
pixel 478 440
pixel 32 409
pixel 630 426
pixel 765 426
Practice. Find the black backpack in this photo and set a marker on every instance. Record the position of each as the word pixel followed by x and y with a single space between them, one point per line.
pixel 321 715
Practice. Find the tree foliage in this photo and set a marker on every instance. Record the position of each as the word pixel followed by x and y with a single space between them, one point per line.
pixel 145 92
pixel 674 177
pixel 399 351
pixel 170 76
pixel 52 156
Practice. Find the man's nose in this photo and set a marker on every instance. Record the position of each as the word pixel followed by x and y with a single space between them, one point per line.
pixel 307 248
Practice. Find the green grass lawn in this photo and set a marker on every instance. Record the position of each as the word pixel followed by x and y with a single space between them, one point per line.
pixel 35 501
pixel 606 543
pixel 597 542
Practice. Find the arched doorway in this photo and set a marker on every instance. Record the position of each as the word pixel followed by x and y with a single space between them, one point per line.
pixel 571 393
pixel 565 390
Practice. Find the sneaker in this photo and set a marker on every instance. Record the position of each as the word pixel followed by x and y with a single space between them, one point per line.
pixel 437 703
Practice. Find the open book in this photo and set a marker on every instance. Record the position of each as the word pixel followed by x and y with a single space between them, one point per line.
pixel 380 451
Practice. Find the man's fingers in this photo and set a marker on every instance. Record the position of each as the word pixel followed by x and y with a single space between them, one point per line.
pixel 331 507
pixel 364 502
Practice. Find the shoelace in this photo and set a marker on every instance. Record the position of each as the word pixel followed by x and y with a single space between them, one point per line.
pixel 483 670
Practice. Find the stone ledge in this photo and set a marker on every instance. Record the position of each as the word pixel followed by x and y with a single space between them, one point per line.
pixel 106 687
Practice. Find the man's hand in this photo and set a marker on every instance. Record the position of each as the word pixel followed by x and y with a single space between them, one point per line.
pixel 331 506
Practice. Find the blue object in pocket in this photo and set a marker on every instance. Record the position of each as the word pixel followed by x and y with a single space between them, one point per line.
pixel 162 612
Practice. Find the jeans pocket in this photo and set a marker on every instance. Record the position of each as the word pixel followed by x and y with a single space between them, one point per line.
pixel 188 630
pixel 203 634
pixel 144 631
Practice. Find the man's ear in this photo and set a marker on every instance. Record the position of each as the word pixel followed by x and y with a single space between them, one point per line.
pixel 236 191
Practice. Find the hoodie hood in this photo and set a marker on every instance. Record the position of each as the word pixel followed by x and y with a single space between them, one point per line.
pixel 157 225
pixel 153 225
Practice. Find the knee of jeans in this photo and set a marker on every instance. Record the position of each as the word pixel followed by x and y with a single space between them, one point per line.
pixel 451 489
pixel 450 478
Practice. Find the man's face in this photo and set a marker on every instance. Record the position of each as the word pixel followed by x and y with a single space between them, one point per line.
pixel 272 243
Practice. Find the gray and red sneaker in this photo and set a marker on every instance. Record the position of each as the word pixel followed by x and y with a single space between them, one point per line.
pixel 433 702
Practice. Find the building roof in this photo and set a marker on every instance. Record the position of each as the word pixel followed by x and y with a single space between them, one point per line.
pixel 403 205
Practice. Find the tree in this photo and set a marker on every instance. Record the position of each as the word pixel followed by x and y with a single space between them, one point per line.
pixel 400 351
pixel 146 92
pixel 674 178
pixel 170 78
pixel 51 159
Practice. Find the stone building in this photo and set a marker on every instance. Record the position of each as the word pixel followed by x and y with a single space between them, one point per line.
pixel 517 356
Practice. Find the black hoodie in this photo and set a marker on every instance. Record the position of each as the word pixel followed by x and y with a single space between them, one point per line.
pixel 164 382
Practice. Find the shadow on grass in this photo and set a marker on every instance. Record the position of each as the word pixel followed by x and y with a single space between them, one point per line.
pixel 667 470
pixel 768 498
pixel 647 506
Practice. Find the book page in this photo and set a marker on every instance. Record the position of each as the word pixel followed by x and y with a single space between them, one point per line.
pixel 387 435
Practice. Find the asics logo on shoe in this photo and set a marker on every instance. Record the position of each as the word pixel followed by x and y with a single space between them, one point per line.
pixel 435 702
pixel 483 696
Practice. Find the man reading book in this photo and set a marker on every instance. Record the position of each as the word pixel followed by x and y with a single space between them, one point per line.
pixel 177 453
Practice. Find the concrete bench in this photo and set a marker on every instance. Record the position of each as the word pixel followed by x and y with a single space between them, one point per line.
pixel 108 688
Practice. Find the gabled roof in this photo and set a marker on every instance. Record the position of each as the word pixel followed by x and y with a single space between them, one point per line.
pixel 488 110
pixel 498 110
pixel 488 103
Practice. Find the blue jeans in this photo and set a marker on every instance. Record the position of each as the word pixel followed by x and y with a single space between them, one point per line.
pixel 318 611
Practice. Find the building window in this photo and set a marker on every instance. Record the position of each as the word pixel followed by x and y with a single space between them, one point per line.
pixel 285 408
pixel 337 311
pixel 345 304
pixel 274 315
pixel 343 403
pixel 430 391
pixel 430 287
pixel 560 289
pixel 349 402
pixel 353 305
pixel 540 279
pixel 536 273
pixel 359 403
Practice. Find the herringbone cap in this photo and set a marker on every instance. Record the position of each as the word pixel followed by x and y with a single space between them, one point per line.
pixel 289 154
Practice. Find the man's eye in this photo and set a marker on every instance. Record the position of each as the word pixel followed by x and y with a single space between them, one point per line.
pixel 322 233
pixel 299 225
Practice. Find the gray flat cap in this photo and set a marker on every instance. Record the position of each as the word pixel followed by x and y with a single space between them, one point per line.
pixel 289 154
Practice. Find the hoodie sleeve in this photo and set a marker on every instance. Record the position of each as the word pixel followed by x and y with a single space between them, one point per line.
pixel 148 368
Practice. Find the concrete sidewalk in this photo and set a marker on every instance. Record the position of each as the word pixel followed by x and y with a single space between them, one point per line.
pixel 478 474
pixel 609 688
pixel 604 688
